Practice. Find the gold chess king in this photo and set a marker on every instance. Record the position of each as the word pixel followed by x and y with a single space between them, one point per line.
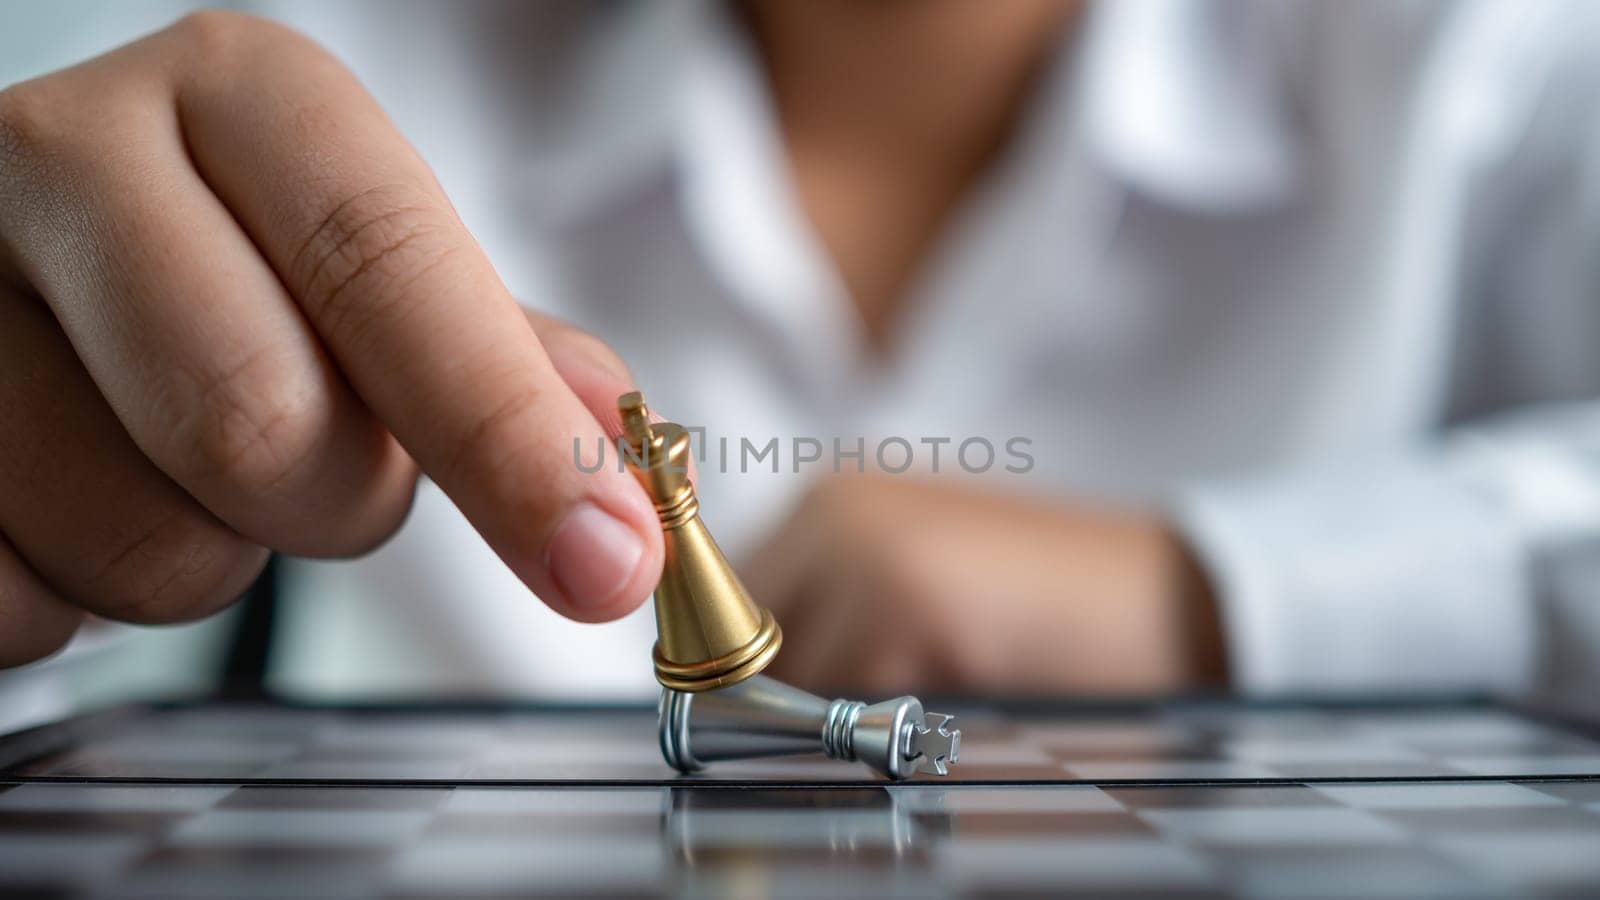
pixel 713 641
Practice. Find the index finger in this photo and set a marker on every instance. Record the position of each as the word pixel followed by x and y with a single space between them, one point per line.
pixel 413 313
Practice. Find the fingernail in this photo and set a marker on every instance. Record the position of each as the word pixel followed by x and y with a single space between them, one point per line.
pixel 592 556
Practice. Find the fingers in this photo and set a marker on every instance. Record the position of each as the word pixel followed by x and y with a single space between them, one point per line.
pixel 270 289
pixel 853 618
pixel 784 568
pixel 85 515
pixel 593 371
pixel 355 226
pixel 188 332
pixel 811 599
pixel 34 621
pixel 816 636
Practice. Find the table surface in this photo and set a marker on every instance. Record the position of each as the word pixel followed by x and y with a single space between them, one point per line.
pixel 1184 799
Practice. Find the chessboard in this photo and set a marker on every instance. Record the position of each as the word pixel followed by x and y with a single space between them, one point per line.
pixel 252 743
pixel 1187 799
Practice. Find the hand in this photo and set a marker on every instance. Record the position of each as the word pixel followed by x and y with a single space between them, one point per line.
pixel 889 584
pixel 237 313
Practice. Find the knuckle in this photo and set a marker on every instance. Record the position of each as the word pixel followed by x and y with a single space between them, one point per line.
pixel 366 526
pixel 27 129
pixel 364 253
pixel 880 678
pixel 960 663
pixel 251 426
pixel 184 566
pixel 215 34
pixel 218 40
pixel 899 576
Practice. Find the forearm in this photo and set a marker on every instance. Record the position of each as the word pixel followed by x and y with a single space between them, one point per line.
pixel 1410 570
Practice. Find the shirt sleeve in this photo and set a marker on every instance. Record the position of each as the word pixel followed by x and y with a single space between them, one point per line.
pixel 1405 572
pixel 1458 563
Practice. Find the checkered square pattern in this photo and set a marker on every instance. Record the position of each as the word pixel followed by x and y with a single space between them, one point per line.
pixel 1206 744
pixel 351 805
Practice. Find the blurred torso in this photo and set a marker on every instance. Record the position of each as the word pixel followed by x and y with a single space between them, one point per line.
pixel 1221 237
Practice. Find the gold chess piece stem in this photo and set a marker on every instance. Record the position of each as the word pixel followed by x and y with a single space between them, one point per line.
pixel 709 633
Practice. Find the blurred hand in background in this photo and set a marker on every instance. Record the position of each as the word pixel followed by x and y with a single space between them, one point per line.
pixel 895 584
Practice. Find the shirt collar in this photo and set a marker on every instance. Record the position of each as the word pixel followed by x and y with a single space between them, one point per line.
pixel 1180 100
pixel 1183 100
pixel 622 94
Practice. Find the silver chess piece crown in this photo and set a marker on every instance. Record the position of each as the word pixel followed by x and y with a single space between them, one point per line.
pixel 762 716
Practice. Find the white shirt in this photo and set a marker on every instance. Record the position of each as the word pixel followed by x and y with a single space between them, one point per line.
pixel 1319 279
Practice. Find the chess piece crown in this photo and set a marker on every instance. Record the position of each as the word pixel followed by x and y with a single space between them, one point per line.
pixel 762 717
pixel 709 633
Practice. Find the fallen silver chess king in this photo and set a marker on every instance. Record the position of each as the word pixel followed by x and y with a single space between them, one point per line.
pixel 713 641
pixel 762 716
